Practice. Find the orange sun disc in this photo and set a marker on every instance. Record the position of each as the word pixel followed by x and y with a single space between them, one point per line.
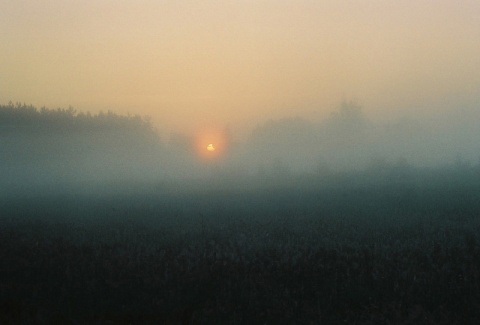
pixel 211 147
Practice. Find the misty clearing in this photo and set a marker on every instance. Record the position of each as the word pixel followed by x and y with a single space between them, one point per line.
pixel 342 221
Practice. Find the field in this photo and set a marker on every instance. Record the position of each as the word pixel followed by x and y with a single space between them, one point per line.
pixel 353 250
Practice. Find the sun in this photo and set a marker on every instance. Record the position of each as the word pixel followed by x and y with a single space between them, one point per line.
pixel 211 147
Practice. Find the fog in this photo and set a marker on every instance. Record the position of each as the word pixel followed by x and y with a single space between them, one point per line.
pixel 349 140
pixel 44 148
pixel 239 162
pixel 337 220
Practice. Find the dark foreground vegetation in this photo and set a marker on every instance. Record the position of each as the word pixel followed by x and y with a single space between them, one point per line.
pixel 355 253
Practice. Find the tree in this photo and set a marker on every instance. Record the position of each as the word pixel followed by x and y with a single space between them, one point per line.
pixel 346 126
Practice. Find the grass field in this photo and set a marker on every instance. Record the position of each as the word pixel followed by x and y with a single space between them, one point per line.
pixel 351 251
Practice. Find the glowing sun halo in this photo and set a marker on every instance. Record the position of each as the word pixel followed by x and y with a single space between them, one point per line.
pixel 211 147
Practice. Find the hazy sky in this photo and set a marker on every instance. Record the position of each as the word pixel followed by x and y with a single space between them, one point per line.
pixel 207 64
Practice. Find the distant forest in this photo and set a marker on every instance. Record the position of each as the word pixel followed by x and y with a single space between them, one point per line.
pixel 52 144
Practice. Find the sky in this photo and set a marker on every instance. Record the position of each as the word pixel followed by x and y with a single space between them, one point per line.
pixel 194 65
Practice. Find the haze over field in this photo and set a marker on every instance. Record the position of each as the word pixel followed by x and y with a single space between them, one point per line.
pixel 239 162
pixel 198 67
pixel 44 147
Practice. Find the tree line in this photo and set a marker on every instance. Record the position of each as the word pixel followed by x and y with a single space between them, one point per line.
pixel 20 117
